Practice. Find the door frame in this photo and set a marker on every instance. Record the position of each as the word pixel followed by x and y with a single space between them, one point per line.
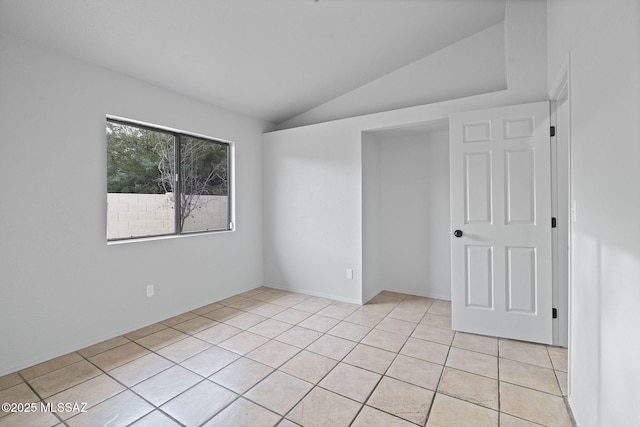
pixel 562 191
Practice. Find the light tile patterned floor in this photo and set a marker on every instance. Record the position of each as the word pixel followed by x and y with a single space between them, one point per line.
pixel 270 357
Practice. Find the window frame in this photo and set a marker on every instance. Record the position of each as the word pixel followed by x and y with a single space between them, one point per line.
pixel 177 134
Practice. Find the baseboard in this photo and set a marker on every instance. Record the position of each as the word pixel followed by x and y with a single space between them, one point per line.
pixel 433 295
pixel 365 298
pixel 368 297
pixel 314 293
pixel 88 343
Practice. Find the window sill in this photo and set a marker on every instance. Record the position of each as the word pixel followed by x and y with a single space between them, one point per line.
pixel 167 237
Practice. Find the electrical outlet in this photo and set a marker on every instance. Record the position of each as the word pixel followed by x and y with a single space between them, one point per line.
pixel 149 291
pixel 350 273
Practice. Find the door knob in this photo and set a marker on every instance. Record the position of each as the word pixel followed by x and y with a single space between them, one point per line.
pixel 458 233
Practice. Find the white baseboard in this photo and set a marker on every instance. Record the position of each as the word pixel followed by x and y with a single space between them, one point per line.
pixel 87 343
pixel 365 298
pixel 315 293
pixel 427 294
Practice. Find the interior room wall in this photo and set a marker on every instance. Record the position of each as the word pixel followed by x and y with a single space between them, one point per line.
pixel 472 66
pixel 63 287
pixel 372 283
pixel 415 245
pixel 601 41
pixel 487 61
pixel 313 211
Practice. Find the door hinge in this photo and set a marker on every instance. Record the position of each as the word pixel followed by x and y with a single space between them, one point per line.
pixel 553 131
pixel 554 222
pixel 554 313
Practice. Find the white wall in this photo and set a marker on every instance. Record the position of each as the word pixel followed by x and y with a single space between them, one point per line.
pixel 62 287
pixel 312 208
pixel 472 66
pixel 313 194
pixel 416 241
pixel 372 283
pixel 603 41
pixel 485 62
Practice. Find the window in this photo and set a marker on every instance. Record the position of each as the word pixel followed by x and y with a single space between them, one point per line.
pixel 147 167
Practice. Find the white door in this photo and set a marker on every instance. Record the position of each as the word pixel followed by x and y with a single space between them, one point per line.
pixel 501 222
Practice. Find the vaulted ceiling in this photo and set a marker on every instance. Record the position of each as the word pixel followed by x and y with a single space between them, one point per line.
pixel 269 59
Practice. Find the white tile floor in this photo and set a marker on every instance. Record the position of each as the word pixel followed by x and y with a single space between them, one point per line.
pixel 270 357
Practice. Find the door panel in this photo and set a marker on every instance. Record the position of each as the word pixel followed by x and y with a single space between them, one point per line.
pixel 520 181
pixel 501 201
pixel 477 132
pixel 477 187
pixel 479 280
pixel 521 280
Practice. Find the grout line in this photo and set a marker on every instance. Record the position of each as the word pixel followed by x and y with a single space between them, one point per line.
pixel 126 388
pixel 40 398
pixel 384 374
pixel 499 382
pixel 444 366
pixel 317 384
pixel 393 301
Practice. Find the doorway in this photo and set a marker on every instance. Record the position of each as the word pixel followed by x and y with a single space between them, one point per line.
pixel 406 233
pixel 406 212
